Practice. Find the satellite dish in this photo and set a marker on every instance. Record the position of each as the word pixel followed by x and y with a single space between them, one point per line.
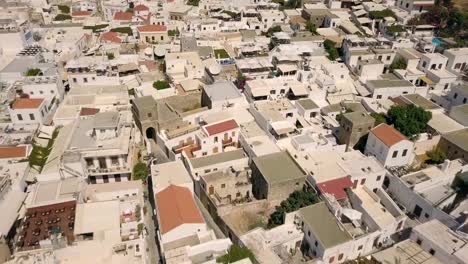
pixel 160 51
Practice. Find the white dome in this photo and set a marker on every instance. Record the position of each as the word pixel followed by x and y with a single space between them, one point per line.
pixel 214 69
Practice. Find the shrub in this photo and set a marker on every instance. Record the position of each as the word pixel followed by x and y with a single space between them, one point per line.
pixel 110 56
pixel 379 118
pixel 161 85
pixel 381 14
pixel 96 27
pixel 398 64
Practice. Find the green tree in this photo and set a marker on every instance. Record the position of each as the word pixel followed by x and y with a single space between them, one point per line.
pixel 311 27
pixel 193 2
pixel 33 72
pixel 110 56
pixel 294 202
pixel 381 14
pixel 398 63
pixel 161 85
pixel 379 118
pixel 436 156
pixel 273 30
pixel 236 253
pixel 409 120
pixel 330 47
pixel 140 171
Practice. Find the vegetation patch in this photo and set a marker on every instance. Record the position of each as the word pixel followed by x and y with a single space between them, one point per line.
pixel 64 9
pixel 124 30
pixel 381 14
pixel 62 17
pixel 236 253
pixel 398 64
pixel 330 47
pixel 221 54
pixel 409 120
pixel 39 154
pixel 435 156
pixel 33 72
pixel 140 171
pixel 161 85
pixel 96 28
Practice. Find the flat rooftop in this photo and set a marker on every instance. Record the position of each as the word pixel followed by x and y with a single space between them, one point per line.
pixel 324 225
pixel 222 157
pixel 97 217
pixel 278 167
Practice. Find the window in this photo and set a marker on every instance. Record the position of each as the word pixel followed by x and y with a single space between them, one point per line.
pixel 272 92
pixel 74 80
pixel 424 64
pixel 389 57
pixel 115 160
pixel 464 100
pixel 379 96
pixel 215 139
pixel 223 185
pixel 340 256
pixel 432 251
pixel 41 92
pixel 207 171
pixel 359 248
pixel 418 241
pixel 42 112
pixel 363 181
pixel 331 259
pixel 395 154
pixel 455 96
pixel 32 117
pixel 426 215
pixel 20 117
pixel 355 183
pixel 31 93
pixel 316 243
pixel 308 233
pixel 404 152
pixel 379 177
pixel 162 37
pixel 85 80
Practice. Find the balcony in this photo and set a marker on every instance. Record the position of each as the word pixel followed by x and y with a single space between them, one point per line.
pixel 111 170
pixel 187 148
pixel 228 142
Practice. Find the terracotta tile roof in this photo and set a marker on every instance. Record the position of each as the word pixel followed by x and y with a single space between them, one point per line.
pixel 111 37
pixel 221 127
pixel 86 111
pixel 27 103
pixel 81 13
pixel 140 8
pixel 176 207
pixel 152 28
pixel 13 152
pixel 387 134
pixel 123 16
pixel 336 187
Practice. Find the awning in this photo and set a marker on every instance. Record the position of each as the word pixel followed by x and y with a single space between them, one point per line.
pixel 282 127
pixel 259 92
pixel 352 214
pixel 46 132
pixel 287 68
pixel 426 80
pixel 336 187
pixel 299 90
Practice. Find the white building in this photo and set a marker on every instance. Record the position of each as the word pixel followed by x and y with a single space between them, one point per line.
pixel 182 66
pixel 457 59
pixel 389 146
pixel 440 241
pixel 28 111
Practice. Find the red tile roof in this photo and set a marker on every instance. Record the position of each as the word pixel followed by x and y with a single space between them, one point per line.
pixel 152 28
pixel 81 13
pixel 221 127
pixel 387 134
pixel 13 152
pixel 140 8
pixel 27 103
pixel 86 111
pixel 176 207
pixel 336 187
pixel 123 16
pixel 111 37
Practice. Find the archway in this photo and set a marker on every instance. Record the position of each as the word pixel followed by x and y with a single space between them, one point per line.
pixel 151 133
